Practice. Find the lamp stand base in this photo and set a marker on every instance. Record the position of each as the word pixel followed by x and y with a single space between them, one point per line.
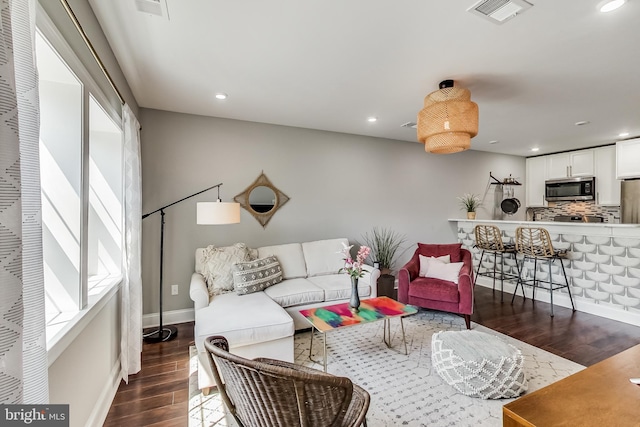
pixel 166 334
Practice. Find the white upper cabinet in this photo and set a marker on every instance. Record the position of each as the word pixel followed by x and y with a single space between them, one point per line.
pixel 607 186
pixel 582 163
pixel 536 176
pixel 565 165
pixel 628 159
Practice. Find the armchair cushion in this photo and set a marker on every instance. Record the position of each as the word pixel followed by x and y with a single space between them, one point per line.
pixel 434 289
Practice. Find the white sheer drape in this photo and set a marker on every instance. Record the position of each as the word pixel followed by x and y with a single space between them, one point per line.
pixel 23 355
pixel 131 339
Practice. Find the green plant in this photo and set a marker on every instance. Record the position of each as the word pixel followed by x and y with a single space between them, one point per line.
pixel 469 202
pixel 384 244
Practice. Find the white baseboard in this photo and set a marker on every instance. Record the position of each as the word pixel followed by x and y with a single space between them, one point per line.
pixel 562 300
pixel 168 317
pixel 101 409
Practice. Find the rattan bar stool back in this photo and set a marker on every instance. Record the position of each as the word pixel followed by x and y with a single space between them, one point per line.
pixel 534 243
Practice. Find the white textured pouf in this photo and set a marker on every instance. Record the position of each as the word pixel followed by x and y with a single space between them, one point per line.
pixel 478 364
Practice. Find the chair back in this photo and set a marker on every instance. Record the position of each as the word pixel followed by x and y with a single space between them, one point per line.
pixel 534 242
pixel 263 394
pixel 489 238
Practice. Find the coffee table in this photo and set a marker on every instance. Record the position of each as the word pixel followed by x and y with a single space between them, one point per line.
pixel 333 317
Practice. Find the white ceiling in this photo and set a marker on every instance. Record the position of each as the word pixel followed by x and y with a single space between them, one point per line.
pixel 330 64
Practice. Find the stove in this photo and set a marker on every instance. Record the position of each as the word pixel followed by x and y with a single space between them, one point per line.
pixel 578 218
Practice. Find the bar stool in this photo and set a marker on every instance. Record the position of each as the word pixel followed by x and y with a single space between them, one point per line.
pixel 535 243
pixel 489 240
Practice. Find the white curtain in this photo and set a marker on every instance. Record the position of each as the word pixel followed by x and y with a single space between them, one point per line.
pixel 23 353
pixel 131 340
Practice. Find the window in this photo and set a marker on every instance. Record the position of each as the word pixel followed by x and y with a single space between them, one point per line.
pixel 105 199
pixel 82 188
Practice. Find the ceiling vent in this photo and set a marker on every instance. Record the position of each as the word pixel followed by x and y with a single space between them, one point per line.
pixel 153 7
pixel 412 125
pixel 499 11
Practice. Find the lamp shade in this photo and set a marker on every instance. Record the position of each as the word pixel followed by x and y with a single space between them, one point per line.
pixel 448 120
pixel 212 213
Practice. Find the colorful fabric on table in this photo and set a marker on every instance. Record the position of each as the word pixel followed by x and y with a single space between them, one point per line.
pixel 340 315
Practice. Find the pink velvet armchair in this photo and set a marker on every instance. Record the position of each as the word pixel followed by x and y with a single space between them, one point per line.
pixel 435 293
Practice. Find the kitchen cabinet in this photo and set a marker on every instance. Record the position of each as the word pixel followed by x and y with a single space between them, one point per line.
pixel 628 159
pixel 536 170
pixel 574 163
pixel 607 186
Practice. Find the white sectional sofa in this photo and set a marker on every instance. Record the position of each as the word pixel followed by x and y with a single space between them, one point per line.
pixel 262 324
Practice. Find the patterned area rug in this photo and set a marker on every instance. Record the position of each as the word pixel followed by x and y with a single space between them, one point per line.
pixel 404 389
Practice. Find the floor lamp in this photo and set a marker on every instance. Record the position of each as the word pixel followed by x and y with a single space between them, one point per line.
pixel 207 213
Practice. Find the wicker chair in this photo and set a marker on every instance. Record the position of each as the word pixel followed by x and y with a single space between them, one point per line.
pixel 267 392
pixel 489 241
pixel 535 243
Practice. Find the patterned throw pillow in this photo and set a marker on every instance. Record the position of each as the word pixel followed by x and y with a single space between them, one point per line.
pixel 216 266
pixel 254 276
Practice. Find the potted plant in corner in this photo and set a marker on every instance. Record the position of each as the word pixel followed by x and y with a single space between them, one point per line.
pixel 470 203
pixel 384 244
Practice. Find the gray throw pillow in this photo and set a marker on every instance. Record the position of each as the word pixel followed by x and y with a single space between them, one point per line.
pixel 254 276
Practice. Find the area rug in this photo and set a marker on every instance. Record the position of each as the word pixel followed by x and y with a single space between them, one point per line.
pixel 404 389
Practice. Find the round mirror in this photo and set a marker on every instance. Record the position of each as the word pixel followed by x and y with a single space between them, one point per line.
pixel 262 199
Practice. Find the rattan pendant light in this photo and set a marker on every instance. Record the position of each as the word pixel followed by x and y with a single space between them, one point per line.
pixel 448 120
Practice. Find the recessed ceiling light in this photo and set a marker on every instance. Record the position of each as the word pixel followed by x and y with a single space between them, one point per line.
pixel 535 149
pixel 582 122
pixel 611 5
pixel 623 134
pixel 495 141
pixel 372 119
pixel 221 95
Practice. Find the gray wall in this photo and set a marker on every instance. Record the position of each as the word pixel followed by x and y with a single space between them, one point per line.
pixel 339 185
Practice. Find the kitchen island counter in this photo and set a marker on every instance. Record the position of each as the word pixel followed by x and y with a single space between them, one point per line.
pixel 602 263
pixel 545 224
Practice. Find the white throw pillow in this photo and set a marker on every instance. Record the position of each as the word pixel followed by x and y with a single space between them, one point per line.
pixel 448 272
pixel 216 266
pixel 424 262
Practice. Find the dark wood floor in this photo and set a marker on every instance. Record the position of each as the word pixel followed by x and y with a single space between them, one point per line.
pixel 583 338
pixel 158 395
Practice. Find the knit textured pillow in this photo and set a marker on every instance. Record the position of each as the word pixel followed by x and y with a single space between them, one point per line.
pixel 217 263
pixel 254 276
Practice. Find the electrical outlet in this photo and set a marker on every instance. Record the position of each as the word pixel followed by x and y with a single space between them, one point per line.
pixel 174 289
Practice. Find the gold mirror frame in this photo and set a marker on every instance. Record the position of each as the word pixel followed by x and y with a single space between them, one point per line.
pixel 262 217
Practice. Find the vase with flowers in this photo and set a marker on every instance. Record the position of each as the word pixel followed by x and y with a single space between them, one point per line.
pixel 470 203
pixel 354 268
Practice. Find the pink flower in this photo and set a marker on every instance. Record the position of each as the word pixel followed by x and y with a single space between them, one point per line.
pixel 351 267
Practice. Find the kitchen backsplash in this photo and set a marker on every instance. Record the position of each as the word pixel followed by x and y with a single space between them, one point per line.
pixel 609 213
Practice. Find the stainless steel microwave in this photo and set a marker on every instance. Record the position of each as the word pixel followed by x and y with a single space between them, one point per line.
pixel 570 189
